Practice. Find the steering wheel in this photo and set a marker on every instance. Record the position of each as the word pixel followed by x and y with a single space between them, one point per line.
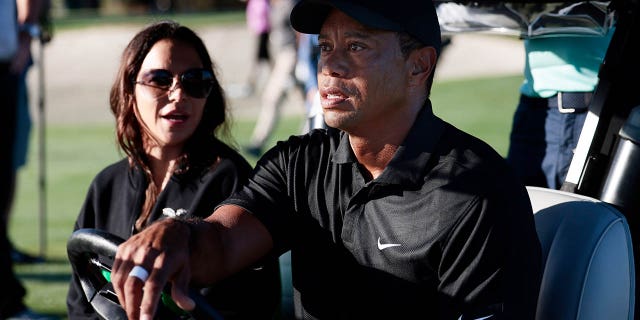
pixel 91 253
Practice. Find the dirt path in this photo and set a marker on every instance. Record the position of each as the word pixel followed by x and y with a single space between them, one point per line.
pixel 81 64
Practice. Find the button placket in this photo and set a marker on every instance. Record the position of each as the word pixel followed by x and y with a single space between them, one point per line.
pixel 355 208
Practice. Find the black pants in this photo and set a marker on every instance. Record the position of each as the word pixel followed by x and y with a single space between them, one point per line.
pixel 543 138
pixel 12 291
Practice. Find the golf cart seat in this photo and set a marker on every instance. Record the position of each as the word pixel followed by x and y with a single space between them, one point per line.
pixel 587 258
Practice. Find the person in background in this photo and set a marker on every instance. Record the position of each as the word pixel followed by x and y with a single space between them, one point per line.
pixel 17 20
pixel 21 146
pixel 281 78
pixel 307 75
pixel 561 74
pixel 42 32
pixel 390 213
pixel 259 24
pixel 170 111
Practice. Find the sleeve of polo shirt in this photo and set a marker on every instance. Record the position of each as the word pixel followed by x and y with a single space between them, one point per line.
pixel 491 259
pixel 265 196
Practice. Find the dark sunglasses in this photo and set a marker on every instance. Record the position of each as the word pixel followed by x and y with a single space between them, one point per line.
pixel 196 83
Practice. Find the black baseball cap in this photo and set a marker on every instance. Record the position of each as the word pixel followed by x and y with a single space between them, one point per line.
pixel 415 17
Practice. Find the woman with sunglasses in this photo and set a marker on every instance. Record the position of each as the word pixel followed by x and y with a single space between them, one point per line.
pixel 169 107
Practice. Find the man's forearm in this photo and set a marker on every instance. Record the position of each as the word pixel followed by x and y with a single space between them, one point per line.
pixel 228 241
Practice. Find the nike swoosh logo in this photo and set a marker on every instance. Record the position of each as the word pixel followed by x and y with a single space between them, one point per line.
pixel 382 246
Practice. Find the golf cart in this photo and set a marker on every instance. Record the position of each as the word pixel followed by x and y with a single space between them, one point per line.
pixel 586 229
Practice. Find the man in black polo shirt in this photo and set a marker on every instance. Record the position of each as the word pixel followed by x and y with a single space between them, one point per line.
pixel 393 214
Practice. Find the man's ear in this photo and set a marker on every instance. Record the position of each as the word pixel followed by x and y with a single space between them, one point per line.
pixel 422 61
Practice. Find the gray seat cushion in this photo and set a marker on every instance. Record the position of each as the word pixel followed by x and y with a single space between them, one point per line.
pixel 587 256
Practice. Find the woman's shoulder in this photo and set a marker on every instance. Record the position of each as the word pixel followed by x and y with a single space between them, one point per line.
pixel 112 172
pixel 229 158
pixel 114 168
pixel 228 153
pixel 218 159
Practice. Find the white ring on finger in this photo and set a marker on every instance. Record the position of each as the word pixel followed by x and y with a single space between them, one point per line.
pixel 140 273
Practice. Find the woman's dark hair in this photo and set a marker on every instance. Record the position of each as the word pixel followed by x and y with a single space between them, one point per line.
pixel 130 134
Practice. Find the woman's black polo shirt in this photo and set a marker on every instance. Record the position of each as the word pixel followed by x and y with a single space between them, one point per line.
pixel 445 229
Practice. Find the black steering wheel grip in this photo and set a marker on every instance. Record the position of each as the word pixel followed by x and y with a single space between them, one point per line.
pixel 91 253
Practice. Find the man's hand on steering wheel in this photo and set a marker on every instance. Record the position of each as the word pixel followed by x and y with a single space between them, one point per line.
pixel 163 251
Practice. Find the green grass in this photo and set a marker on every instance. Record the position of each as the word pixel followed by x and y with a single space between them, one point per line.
pixel 75 153
pixel 483 107
pixel 193 20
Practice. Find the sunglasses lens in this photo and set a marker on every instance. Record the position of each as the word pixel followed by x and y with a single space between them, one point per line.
pixel 156 82
pixel 197 83
pixel 159 78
